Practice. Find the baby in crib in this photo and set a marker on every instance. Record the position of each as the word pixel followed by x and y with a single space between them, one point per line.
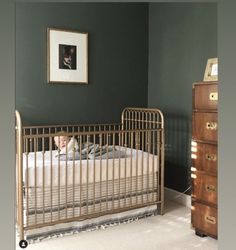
pixel 67 146
pixel 61 140
pixel 68 149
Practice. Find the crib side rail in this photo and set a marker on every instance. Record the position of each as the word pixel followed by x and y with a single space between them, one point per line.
pixel 147 118
pixel 72 130
pixel 62 190
pixel 140 118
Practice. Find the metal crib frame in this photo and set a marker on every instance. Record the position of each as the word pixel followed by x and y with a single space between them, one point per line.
pixel 140 129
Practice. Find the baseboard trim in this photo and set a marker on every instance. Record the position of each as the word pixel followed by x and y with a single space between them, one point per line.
pixel 173 195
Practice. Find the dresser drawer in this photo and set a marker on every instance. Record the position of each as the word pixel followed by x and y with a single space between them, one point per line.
pixel 204 218
pixel 204 157
pixel 205 126
pixel 205 96
pixel 204 187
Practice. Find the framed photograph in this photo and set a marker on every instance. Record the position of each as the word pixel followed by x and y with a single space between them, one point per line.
pixel 211 72
pixel 67 56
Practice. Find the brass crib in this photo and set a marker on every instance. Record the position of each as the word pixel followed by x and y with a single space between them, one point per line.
pixel 51 191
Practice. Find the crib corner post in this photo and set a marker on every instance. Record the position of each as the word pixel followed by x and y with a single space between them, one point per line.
pixel 162 165
pixel 162 207
pixel 19 181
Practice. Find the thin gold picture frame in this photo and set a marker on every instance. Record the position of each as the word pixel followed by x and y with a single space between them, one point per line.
pixel 211 71
pixel 61 44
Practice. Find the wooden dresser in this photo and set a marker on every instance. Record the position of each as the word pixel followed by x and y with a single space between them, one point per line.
pixel 204 158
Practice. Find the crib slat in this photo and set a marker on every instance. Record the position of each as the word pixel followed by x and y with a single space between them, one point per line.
pixel 73 185
pixel 87 174
pixel 43 176
pixel 125 191
pixel 131 169
pixel 35 181
pixel 94 175
pixel 153 173
pixel 149 148
pixel 66 178
pixel 148 153
pixel 119 171
pixel 113 173
pixel 80 185
pixel 100 156
pixel 27 181
pixel 142 159
pixel 158 172
pixel 51 175
pixel 31 144
pixel 136 167
pixel 58 186
pixel 107 141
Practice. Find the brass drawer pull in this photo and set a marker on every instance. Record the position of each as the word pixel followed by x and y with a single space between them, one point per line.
pixel 213 96
pixel 210 219
pixel 211 157
pixel 210 188
pixel 193 176
pixel 211 125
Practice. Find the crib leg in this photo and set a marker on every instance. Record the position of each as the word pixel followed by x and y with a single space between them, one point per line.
pixel 156 211
pixel 162 208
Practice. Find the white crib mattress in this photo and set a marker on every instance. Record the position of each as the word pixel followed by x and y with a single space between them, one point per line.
pixel 44 169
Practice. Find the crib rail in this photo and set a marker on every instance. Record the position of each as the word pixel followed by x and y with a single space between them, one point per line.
pixel 116 167
pixel 31 132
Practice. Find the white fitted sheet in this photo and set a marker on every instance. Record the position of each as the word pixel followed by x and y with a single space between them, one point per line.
pixel 44 169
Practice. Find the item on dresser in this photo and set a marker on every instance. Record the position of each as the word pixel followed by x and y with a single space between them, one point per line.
pixel 204 158
pixel 211 72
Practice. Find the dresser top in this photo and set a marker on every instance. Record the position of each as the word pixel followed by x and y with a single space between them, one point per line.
pixel 205 83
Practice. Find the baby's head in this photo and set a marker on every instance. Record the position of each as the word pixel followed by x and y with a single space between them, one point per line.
pixel 61 140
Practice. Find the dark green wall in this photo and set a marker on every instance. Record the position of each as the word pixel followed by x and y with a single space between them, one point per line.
pixel 118 61
pixel 181 38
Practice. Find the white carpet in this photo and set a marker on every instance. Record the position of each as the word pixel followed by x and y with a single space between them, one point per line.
pixel 171 231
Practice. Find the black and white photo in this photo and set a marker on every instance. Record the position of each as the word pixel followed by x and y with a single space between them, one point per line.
pixel 67 55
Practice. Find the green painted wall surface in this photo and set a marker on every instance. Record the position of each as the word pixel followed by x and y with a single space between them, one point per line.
pixel 118 61
pixel 181 38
